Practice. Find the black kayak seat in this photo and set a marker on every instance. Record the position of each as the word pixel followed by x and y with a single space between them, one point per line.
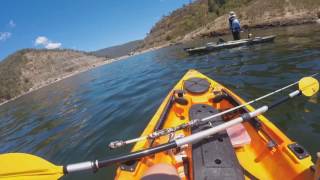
pixel 214 157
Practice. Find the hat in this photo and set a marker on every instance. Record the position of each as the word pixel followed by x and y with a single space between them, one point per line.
pixel 232 14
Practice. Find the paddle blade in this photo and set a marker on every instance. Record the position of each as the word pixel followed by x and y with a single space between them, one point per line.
pixel 14 166
pixel 308 86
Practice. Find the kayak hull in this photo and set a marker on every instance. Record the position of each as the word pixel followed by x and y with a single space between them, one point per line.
pixel 267 155
pixel 229 44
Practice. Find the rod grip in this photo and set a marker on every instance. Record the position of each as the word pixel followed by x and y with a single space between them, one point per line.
pixel 284 99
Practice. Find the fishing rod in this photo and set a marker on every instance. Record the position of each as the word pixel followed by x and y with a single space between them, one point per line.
pixel 31 166
pixel 195 122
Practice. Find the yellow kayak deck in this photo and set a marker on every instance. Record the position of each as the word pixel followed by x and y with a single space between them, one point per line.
pixel 269 154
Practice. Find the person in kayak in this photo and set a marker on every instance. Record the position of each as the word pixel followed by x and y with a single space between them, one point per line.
pixel 234 25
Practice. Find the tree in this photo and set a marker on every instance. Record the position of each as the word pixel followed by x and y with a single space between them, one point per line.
pixel 210 6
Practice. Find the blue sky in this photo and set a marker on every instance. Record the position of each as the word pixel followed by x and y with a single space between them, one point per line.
pixel 79 24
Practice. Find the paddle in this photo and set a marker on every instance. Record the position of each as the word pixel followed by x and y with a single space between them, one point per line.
pixel 26 166
pixel 155 134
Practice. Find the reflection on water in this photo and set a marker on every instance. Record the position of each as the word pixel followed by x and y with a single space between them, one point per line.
pixel 73 120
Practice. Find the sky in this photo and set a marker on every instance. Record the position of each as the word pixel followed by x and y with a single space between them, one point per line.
pixel 77 24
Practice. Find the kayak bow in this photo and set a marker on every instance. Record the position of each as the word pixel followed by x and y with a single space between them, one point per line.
pixel 253 149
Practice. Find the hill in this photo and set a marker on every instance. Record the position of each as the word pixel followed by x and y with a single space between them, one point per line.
pixel 118 51
pixel 30 69
pixel 207 18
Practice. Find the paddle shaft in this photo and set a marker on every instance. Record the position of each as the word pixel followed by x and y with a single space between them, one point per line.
pixel 95 165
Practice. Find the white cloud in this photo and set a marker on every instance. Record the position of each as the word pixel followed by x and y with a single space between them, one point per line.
pixel 45 42
pixel 41 40
pixel 12 24
pixel 5 35
pixel 53 45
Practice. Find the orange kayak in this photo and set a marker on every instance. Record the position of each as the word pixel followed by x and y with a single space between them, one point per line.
pixel 255 149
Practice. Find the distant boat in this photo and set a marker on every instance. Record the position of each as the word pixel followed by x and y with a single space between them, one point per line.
pixel 229 44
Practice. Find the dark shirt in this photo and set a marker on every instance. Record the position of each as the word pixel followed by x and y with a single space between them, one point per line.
pixel 234 24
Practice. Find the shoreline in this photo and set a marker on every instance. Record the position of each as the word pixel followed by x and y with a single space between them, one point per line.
pixel 167 44
pixel 92 66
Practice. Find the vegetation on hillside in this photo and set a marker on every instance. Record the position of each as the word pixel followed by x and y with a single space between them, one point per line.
pixel 188 18
pixel 30 68
pixel 10 77
pixel 209 17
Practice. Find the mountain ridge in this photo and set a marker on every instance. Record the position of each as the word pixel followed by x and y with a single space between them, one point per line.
pixel 30 69
pixel 119 50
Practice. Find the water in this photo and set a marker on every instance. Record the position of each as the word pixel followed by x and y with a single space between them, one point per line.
pixel 73 120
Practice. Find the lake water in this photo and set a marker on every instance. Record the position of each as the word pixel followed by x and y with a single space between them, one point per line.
pixel 75 119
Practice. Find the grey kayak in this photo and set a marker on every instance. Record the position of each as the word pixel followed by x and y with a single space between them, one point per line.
pixel 229 44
